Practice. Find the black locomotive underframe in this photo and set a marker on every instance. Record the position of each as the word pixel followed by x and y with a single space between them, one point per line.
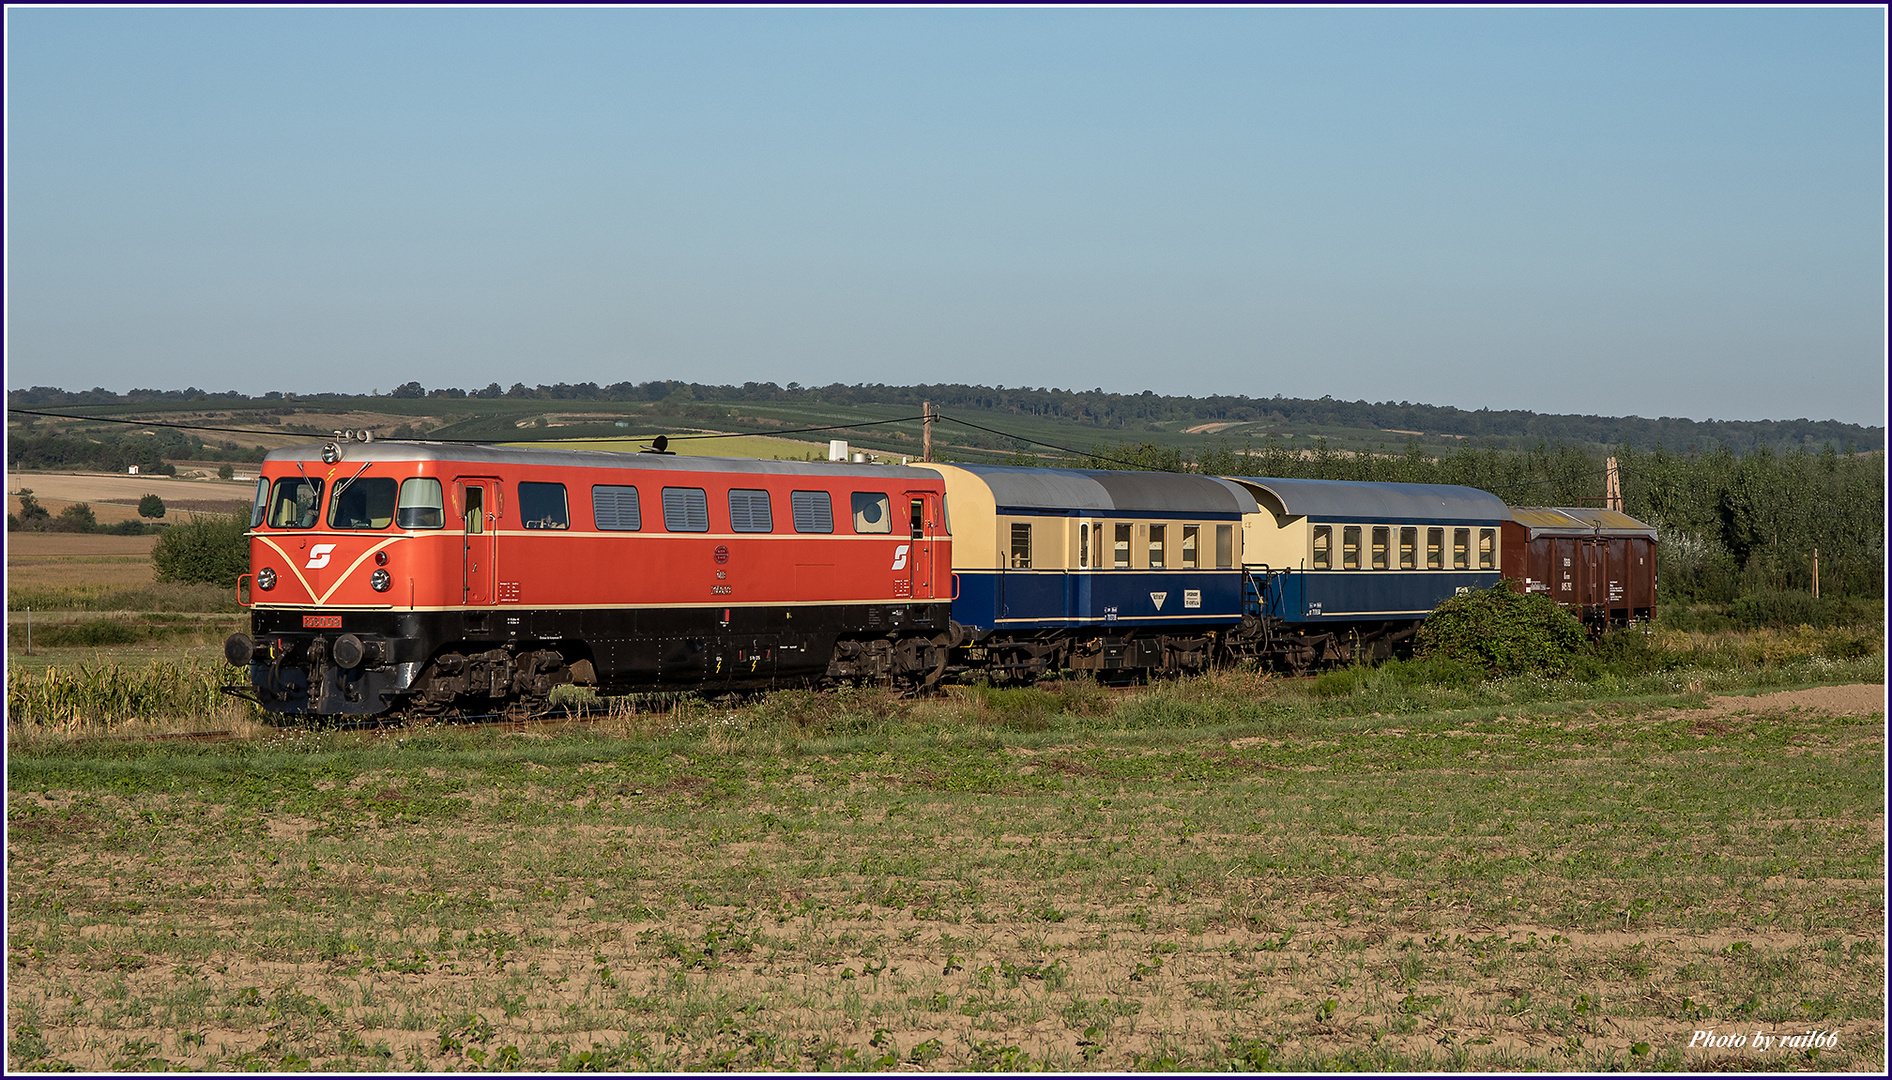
pixel 511 658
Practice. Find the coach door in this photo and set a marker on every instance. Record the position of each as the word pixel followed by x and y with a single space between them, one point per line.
pixel 924 526
pixel 478 503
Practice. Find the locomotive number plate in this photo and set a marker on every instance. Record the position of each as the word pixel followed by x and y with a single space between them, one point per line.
pixel 321 622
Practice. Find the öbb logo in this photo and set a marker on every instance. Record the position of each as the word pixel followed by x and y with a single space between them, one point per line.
pixel 318 556
pixel 900 556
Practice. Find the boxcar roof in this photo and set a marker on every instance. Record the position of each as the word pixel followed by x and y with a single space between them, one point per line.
pixel 1104 491
pixel 395 451
pixel 1339 500
pixel 1579 521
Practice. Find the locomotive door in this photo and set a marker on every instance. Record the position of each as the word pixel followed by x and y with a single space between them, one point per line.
pixel 924 526
pixel 477 500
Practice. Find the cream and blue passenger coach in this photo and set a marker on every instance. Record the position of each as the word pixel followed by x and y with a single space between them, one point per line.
pixel 1061 549
pixel 1328 551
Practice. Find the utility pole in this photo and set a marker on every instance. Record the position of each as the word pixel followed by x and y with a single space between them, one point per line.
pixel 926 437
pixel 1612 488
pixel 1816 573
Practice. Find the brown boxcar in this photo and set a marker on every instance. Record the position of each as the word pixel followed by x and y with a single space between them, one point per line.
pixel 1601 564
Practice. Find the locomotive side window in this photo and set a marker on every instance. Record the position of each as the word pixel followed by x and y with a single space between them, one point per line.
pixel 686 510
pixel 614 508
pixel 1190 533
pixel 475 509
pixel 1224 547
pixel 1408 548
pixel 1083 545
pixel 873 512
pixel 1350 547
pixel 1323 547
pixel 1122 552
pixel 1461 549
pixel 421 505
pixel 1487 549
pixel 813 511
pixel 296 504
pixel 261 505
pixel 1382 537
pixel 1435 549
pixel 542 506
pixel 1021 546
pixel 749 511
pixel 367 503
pixel 1158 535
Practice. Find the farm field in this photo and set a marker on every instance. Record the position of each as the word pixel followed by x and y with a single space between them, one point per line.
pixel 114 498
pixel 1232 872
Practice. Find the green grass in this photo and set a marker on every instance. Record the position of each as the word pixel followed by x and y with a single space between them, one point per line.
pixel 1233 872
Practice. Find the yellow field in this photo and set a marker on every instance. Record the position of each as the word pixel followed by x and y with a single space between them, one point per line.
pixel 761 447
pixel 50 560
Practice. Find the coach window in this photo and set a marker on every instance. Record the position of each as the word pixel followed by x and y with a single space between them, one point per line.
pixel 686 510
pixel 1083 545
pixel 1190 533
pixel 1461 549
pixel 1350 547
pixel 1021 546
pixel 1435 549
pixel 1487 549
pixel 542 506
pixel 813 511
pixel 420 505
pixel 1159 536
pixel 1408 548
pixel 614 508
pixel 1323 547
pixel 873 513
pixel 1225 547
pixel 1120 556
pixel 749 511
pixel 1382 541
pixel 297 503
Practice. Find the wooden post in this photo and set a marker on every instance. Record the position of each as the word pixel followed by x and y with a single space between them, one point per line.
pixel 1612 488
pixel 926 437
pixel 1816 573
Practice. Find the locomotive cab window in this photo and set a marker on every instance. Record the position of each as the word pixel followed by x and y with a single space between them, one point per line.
pixel 1461 549
pixel 614 508
pixel 916 518
pixel 1021 546
pixel 1381 541
pixel 366 503
pixel 873 512
pixel 686 510
pixel 1408 548
pixel 1435 549
pixel 297 503
pixel 475 510
pixel 1121 554
pixel 1159 534
pixel 260 506
pixel 1189 538
pixel 813 511
pixel 542 506
pixel 421 505
pixel 1350 547
pixel 1323 547
pixel 749 511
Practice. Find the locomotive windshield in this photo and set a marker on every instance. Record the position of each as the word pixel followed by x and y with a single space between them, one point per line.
pixel 367 503
pixel 296 503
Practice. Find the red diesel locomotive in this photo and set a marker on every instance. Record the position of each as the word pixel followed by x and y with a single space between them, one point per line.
pixel 428 578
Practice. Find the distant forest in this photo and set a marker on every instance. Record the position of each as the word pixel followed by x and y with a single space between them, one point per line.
pixel 1107 412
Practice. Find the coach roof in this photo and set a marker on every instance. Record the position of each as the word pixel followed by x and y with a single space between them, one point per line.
pixel 1102 491
pixel 1356 500
pixel 402 451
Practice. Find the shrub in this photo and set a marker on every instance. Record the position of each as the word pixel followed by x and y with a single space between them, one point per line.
pixel 213 550
pixel 77 518
pixel 1501 632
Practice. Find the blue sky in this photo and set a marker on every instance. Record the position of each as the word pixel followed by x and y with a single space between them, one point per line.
pixel 1661 212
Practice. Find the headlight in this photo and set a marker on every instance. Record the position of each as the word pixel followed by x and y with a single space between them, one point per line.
pixel 381 580
pixel 266 579
pixel 331 453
